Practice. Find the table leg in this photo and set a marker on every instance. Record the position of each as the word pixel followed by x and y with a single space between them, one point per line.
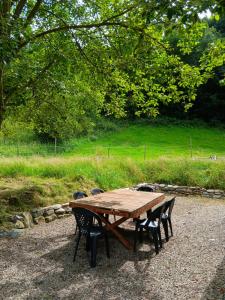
pixel 113 227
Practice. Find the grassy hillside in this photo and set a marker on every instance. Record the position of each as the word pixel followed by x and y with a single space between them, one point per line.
pixel 137 140
pixel 149 141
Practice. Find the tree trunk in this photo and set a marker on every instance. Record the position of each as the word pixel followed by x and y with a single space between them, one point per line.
pixel 5 6
pixel 2 96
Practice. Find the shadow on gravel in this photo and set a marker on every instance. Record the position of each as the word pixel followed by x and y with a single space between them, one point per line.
pixel 216 288
pixel 57 277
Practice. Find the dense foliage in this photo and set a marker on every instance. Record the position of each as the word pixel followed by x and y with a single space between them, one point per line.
pixel 62 63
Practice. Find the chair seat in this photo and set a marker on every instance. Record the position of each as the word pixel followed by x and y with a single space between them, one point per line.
pixel 96 231
pixel 153 224
pixel 143 223
pixel 146 223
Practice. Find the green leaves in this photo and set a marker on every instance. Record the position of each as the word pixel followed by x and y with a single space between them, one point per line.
pixel 68 60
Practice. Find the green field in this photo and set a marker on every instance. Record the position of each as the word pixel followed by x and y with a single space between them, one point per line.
pixel 147 141
pixel 136 140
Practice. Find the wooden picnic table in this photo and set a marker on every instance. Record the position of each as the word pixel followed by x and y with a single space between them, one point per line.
pixel 125 203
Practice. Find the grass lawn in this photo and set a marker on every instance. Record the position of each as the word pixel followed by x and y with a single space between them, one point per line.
pixel 147 141
pixel 138 140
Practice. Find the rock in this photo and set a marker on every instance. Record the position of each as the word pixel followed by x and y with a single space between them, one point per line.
pixel 68 210
pixel 161 185
pixel 37 212
pixel 218 192
pixel 166 188
pixel 48 212
pixel 60 216
pixel 27 219
pixel 60 211
pixel 39 220
pixel 15 218
pixel 56 206
pixel 19 225
pixel 67 215
pixel 210 191
pixel 65 205
pixel 14 233
pixel 50 218
pixel 3 234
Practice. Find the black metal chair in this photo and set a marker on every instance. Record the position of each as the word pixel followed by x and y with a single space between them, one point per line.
pixel 92 232
pixel 145 188
pixel 152 225
pixel 96 191
pixel 78 195
pixel 166 217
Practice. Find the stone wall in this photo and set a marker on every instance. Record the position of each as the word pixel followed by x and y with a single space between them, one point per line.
pixel 36 216
pixel 184 190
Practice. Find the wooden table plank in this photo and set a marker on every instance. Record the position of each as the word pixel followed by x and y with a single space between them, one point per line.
pixel 120 202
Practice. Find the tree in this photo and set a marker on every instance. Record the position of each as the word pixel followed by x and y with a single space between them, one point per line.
pixel 122 43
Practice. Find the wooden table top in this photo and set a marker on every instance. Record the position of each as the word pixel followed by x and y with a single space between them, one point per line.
pixel 122 202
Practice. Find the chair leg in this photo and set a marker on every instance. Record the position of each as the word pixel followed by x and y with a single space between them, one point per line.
pixel 170 223
pixel 76 247
pixel 107 245
pixel 135 238
pixel 141 235
pixel 159 235
pixel 93 253
pixel 165 227
pixel 155 240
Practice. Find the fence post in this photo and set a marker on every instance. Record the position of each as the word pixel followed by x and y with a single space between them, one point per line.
pixel 55 145
pixel 191 148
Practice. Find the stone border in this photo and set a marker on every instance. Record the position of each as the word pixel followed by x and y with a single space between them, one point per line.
pixel 36 216
pixel 184 190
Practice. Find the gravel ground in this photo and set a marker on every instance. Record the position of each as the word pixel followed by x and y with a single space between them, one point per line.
pixel 191 265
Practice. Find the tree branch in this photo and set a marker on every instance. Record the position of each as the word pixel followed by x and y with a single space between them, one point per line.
pixel 122 12
pixel 33 12
pixel 19 8
pixel 5 8
pixel 67 28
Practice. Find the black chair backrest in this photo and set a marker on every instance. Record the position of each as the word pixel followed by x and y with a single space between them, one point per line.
pixel 96 191
pixel 145 189
pixel 157 213
pixel 79 195
pixel 84 219
pixel 169 206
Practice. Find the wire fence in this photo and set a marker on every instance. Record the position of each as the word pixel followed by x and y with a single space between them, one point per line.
pixel 145 152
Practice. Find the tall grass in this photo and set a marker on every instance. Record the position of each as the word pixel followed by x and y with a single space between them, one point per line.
pixel 114 173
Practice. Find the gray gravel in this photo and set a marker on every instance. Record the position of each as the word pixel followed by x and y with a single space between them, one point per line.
pixel 191 265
